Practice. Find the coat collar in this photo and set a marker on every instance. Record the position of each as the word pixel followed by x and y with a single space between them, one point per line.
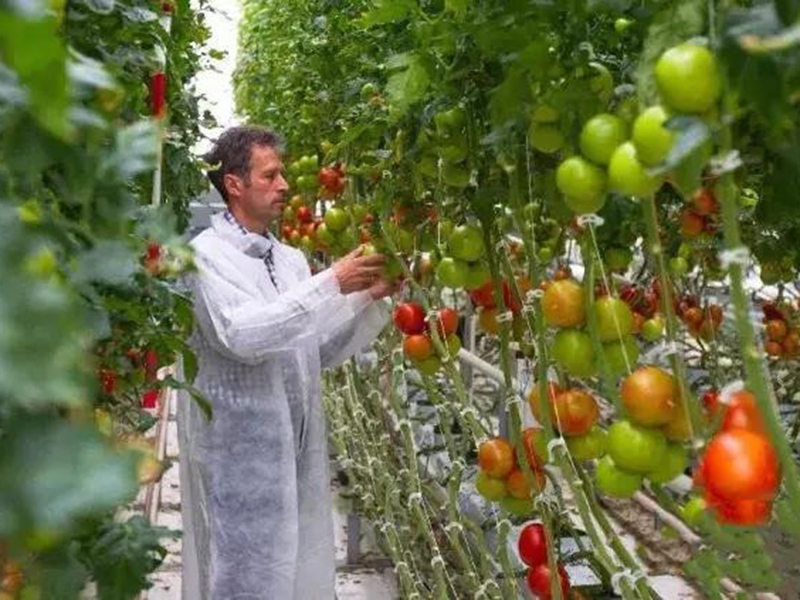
pixel 252 244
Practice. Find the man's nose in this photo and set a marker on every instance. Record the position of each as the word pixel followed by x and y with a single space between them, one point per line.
pixel 282 184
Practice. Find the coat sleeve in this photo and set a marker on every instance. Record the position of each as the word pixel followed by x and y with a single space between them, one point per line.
pixel 360 322
pixel 248 329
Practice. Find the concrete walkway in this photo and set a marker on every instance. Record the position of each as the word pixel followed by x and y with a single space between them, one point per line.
pixel 353 582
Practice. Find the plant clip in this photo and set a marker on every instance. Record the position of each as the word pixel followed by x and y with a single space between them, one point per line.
pixel 557 442
pixel 727 163
pixel 735 256
pixel 437 559
pixel 590 219
pixel 401 564
pixel 505 317
pixel 454 525
pixel 504 525
pixel 631 576
pixel 403 423
pixel 415 497
pixel 511 400
pixel 513 345
pixel 533 295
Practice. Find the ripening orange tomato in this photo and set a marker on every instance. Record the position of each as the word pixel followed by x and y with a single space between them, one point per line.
pixel 496 457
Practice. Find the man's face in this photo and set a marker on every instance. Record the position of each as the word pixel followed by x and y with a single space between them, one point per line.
pixel 262 195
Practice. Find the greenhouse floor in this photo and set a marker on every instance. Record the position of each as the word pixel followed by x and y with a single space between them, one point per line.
pixel 356 581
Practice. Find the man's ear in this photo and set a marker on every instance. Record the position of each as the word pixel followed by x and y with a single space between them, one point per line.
pixel 233 185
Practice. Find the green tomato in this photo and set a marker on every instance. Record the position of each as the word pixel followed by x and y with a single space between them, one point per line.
pixel 429 366
pixel 544 114
pixel 466 243
pixel 653 141
pixel 368 90
pixel 455 175
pixel 688 78
pixel 618 355
pixel 618 259
pixel 588 446
pixel 601 135
pixel 392 269
pixel 678 266
pixel 635 448
pixel 602 83
pixel 573 351
pixel 452 272
pixel 547 139
pixel 613 318
pixel 614 481
pixel 519 507
pixel 337 220
pixel 673 464
pixel 307 183
pixel 451 120
pixel 653 329
pixel 585 206
pixel 490 488
pixel 622 24
pixel 428 165
pixel 627 175
pixel 454 149
pixel 693 510
pixel 477 276
pixel 580 180
pixel 545 254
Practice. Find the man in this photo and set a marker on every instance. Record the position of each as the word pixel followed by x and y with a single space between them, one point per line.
pixel 254 479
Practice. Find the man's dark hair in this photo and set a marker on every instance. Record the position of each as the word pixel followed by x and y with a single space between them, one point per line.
pixel 232 151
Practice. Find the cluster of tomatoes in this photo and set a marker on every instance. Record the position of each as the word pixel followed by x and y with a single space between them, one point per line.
pixel 644 306
pixel 462 266
pixel 418 346
pixel 446 149
pixel 702 216
pixel 533 551
pixel 303 172
pixel 781 329
pixel 137 368
pixel 489 313
pixel 501 477
pixel 702 322
pixel 564 308
pixel 739 471
pixel 616 159
pixel 333 233
pixel 332 181
pixel 647 443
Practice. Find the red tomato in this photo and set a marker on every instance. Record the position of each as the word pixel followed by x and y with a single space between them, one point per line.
pixel 496 457
pixel 508 298
pixel 286 231
pixel 771 311
pixel 704 201
pixel 304 214
pixel 777 329
pixel 743 413
pixel 692 224
pixel 483 296
pixel 153 251
pixel 533 397
pixel 741 464
pixel 539 579
pixel 448 322
pixel 418 347
pixel 150 364
pixel 739 512
pixel 108 380
pixel 563 304
pixel 409 317
pixel 329 178
pixel 710 401
pixel 532 544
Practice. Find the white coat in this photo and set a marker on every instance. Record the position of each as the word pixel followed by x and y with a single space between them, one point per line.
pixel 255 486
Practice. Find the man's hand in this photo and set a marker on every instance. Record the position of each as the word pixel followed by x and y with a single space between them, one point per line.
pixel 383 288
pixel 355 272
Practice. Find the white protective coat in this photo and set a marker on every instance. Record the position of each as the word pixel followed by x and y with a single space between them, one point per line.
pixel 255 486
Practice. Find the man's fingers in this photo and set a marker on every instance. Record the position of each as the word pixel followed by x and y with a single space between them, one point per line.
pixel 370 260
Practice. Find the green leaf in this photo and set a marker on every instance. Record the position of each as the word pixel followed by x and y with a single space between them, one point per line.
pixel 44 486
pixel 457 7
pixel 33 49
pixel 135 151
pixel 692 132
pixel 509 100
pixel 196 395
pixel 388 11
pixel 110 262
pixel 677 23
pixel 103 7
pixel 189 365
pixel 407 87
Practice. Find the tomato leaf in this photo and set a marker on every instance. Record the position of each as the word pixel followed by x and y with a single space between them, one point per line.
pixel 678 22
pixel 58 494
pixel 407 87
pixel 692 133
pixel 388 11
